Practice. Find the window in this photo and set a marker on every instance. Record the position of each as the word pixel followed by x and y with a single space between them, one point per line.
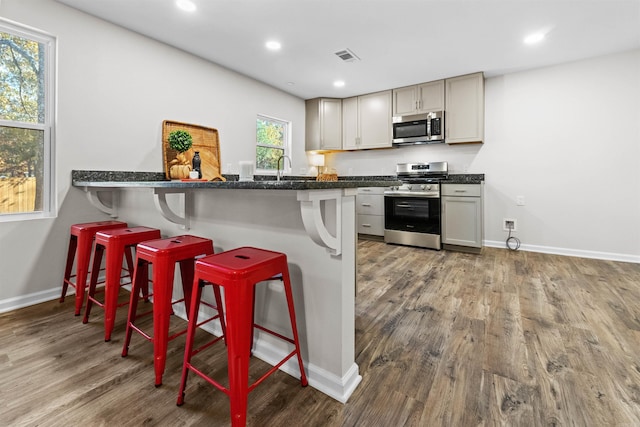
pixel 27 66
pixel 272 141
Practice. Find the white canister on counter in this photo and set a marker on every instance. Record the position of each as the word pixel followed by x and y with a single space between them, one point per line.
pixel 246 170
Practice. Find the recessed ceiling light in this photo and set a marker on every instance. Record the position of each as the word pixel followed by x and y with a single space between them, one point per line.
pixel 534 38
pixel 273 45
pixel 186 5
pixel 290 83
pixel 338 83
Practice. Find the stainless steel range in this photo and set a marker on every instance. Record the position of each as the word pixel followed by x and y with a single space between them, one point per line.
pixel 412 210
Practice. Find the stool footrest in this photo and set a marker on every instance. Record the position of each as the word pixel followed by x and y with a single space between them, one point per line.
pixel 271 371
pixel 208 379
pixel 146 313
pixel 207 345
pixel 69 282
pixel 141 332
pixel 275 334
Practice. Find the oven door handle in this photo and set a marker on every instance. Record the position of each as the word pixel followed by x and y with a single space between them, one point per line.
pixel 414 195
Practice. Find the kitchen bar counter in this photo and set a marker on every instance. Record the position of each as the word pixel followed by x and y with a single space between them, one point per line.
pixel 314 223
pixel 115 179
pixel 123 179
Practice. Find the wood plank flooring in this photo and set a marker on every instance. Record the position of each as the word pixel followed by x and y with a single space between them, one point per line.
pixel 442 339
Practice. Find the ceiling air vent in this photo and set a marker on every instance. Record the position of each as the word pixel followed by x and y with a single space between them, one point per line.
pixel 347 56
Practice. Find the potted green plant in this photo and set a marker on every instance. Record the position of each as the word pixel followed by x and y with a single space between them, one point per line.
pixel 181 141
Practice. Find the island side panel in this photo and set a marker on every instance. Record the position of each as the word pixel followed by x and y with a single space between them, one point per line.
pixel 323 285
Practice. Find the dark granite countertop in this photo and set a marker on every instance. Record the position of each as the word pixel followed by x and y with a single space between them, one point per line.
pixel 476 178
pixel 127 179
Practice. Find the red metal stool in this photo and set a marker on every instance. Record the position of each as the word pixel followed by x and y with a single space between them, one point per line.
pixel 238 271
pixel 163 254
pixel 80 244
pixel 118 243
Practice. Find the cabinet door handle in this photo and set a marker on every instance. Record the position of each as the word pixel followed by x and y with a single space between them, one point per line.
pixel 366 204
pixel 366 225
pixel 460 191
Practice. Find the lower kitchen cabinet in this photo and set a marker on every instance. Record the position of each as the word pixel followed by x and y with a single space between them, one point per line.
pixel 370 211
pixel 462 222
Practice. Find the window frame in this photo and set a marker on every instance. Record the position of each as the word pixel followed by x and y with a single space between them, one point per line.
pixel 49 196
pixel 286 146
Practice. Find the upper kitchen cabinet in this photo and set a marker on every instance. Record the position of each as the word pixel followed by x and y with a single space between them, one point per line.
pixel 464 109
pixel 323 124
pixel 366 121
pixel 418 99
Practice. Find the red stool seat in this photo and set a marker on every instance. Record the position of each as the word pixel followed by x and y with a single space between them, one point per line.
pixel 80 244
pixel 163 254
pixel 238 271
pixel 117 243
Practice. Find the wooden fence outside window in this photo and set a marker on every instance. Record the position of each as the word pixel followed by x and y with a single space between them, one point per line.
pixel 17 194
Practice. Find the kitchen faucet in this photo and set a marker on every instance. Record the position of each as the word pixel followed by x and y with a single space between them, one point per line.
pixel 283 166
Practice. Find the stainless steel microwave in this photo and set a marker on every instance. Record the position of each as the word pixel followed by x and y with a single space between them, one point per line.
pixel 427 128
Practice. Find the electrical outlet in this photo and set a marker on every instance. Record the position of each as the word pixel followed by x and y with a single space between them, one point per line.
pixel 520 200
pixel 508 224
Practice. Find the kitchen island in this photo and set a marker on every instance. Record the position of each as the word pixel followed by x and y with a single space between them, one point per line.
pixel 312 222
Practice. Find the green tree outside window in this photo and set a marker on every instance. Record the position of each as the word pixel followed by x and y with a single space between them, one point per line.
pixel 272 137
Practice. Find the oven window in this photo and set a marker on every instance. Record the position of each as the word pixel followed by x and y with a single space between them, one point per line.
pixel 417 214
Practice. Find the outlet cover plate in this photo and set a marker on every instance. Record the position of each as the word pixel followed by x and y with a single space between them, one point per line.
pixel 504 224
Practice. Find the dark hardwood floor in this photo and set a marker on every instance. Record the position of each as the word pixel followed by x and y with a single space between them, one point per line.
pixel 442 339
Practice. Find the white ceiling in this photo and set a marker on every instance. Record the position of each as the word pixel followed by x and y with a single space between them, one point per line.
pixel 400 42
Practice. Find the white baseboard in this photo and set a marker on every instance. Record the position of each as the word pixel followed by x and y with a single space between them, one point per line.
pixel 22 301
pixel 608 256
pixel 339 388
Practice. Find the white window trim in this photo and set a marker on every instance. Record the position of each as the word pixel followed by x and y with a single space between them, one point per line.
pixel 49 200
pixel 287 146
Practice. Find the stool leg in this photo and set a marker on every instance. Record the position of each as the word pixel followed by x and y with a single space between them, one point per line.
pixel 186 274
pixel 196 294
pixel 112 288
pixel 292 317
pixel 71 254
pixel 95 270
pixel 219 307
pixel 162 293
pixel 140 277
pixel 238 341
pixel 84 256
pixel 130 266
pixel 128 253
